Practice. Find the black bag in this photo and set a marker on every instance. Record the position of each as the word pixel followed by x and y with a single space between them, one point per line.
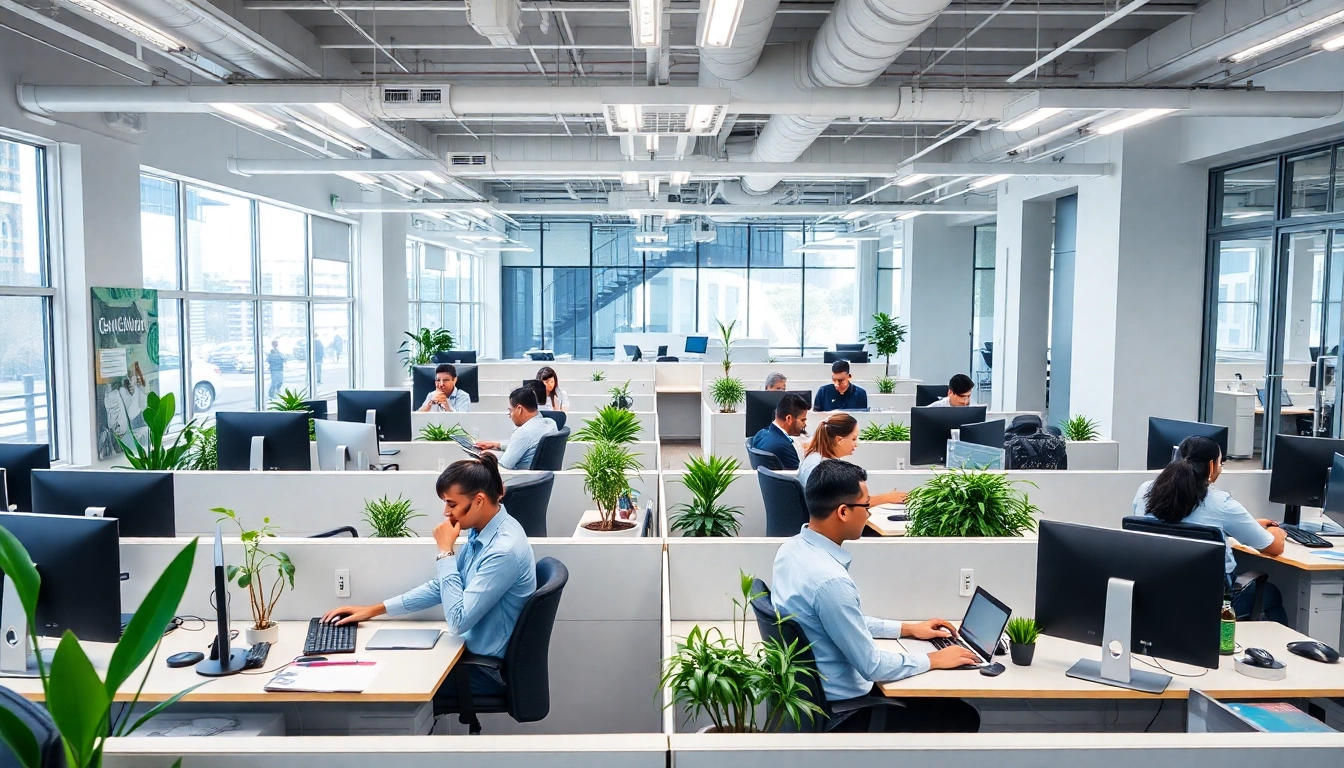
pixel 1027 446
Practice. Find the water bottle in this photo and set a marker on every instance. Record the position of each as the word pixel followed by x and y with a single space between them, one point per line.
pixel 1227 637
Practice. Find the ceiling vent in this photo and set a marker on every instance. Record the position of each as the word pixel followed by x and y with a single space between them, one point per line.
pixel 468 160
pixel 497 20
pixel 663 119
pixel 429 96
pixel 396 95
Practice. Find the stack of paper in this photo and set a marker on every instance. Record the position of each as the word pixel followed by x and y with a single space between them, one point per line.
pixel 344 676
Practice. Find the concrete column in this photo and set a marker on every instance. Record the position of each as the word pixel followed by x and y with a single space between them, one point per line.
pixel 1022 303
pixel 1061 335
pixel 866 285
pixel 381 303
pixel 936 298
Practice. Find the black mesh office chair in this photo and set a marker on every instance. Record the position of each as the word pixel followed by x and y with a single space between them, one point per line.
pixel 334 532
pixel 662 350
pixel 759 458
pixel 667 359
pixel 50 749
pixel 525 667
pixel 559 417
pixel 1247 580
pixel 527 497
pixel 550 455
pixel 785 507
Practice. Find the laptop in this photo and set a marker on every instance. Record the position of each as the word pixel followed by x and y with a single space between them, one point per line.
pixel 981 628
pixel 466 444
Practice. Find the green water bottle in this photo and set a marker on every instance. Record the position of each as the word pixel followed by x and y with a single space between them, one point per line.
pixel 1227 637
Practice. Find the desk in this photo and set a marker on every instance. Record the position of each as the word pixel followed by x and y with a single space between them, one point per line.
pixel 1287 410
pixel 878 522
pixel 1312 586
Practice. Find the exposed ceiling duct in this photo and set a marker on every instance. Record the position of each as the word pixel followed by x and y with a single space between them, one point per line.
pixel 739 59
pixel 498 20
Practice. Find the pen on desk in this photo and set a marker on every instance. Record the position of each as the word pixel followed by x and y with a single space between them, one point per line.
pixel 336 663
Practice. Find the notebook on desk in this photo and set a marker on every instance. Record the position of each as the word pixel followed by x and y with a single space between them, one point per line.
pixel 403 640
pixel 343 676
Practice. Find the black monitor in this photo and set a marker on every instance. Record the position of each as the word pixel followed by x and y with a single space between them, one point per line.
pixel 1168 590
pixel 142 502
pixel 853 356
pixel 317 409
pixel 1164 435
pixel 468 380
pixel 283 441
pixel 987 433
pixel 538 388
pixel 697 345
pixel 928 394
pixel 931 428
pixel 1301 469
pixel 857 347
pixel 392 408
pixel 761 405
pixel 19 460
pixel 1334 491
pixel 454 356
pixel 632 352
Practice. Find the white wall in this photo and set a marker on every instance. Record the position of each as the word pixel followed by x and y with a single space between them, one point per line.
pixel 936 298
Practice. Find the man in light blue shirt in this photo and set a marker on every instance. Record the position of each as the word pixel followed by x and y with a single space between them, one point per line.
pixel 446 396
pixel 812 585
pixel 531 427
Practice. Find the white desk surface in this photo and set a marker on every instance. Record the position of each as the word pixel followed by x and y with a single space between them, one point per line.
pixel 405 676
pixel 1303 558
pixel 878 521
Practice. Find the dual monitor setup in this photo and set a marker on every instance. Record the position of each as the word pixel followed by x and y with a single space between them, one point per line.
pixel 695 345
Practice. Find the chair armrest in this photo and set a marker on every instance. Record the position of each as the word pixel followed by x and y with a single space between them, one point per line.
pixel 474 660
pixel 863 702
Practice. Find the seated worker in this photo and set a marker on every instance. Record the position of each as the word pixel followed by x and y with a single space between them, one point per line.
pixel 811 584
pixel 836 438
pixel 481 589
pixel 1184 493
pixel 531 427
pixel 777 437
pixel 776 382
pixel 446 396
pixel 556 399
pixel 958 393
pixel 841 394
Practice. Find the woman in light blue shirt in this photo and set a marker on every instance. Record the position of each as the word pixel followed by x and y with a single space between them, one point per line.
pixel 836 438
pixel 1184 493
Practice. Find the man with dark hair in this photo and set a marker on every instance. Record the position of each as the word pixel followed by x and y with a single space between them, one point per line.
pixel 841 394
pixel 446 397
pixel 531 427
pixel 777 437
pixel 812 585
pixel 958 393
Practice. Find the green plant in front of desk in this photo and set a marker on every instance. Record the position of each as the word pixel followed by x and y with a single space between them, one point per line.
pixel 891 432
pixel 155 455
pixel 612 424
pixel 420 346
pixel 726 336
pixel 79 702
pixel 599 375
pixel 293 401
pixel 886 336
pixel 620 396
pixel 965 502
pixel 707 478
pixel 721 678
pixel 886 385
pixel 606 468
pixel 259 567
pixel 204 452
pixel 727 392
pixel 1023 631
pixel 1081 429
pixel 390 519
pixel 441 433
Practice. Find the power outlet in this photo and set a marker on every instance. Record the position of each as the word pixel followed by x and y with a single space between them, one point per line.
pixel 343 582
pixel 967 583
pixel 900 465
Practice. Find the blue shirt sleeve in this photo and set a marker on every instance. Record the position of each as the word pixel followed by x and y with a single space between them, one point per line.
pixel 1239 524
pixel 463 606
pixel 818 398
pixel 461 401
pixel 837 603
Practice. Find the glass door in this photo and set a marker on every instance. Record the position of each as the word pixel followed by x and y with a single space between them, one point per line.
pixel 1240 320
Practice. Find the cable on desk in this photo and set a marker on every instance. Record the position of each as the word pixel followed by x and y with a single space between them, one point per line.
pixel 1155 664
pixel 1160 704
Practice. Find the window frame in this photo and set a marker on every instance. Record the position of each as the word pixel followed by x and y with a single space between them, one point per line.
pixel 416 256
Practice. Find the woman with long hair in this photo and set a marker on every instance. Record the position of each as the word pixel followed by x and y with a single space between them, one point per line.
pixel 836 438
pixel 555 396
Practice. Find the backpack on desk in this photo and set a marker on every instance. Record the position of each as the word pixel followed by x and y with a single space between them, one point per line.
pixel 1027 446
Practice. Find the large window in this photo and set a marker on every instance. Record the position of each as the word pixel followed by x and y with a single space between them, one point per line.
pixel 982 302
pixel 444 288
pixel 27 408
pixel 253 297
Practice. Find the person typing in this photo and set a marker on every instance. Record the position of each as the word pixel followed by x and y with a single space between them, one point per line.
pixel 531 427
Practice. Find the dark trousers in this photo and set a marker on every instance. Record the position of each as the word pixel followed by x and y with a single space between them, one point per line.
pixel 1271 604
pixel 483 683
pixel 917 716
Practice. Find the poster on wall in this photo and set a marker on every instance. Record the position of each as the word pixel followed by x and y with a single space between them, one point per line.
pixel 126 363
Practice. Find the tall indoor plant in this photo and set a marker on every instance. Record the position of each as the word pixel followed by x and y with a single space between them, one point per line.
pixel 156 454
pixel 886 336
pixel 707 478
pixel 726 335
pixel 259 566
pixel 419 347
pixel 606 477
pixel 965 502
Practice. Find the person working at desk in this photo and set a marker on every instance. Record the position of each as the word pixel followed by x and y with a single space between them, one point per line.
pixel 446 396
pixel 811 584
pixel 1184 493
pixel 841 394
pixel 531 427
pixel 556 399
pixel 481 585
pixel 777 437
pixel 836 438
pixel 776 382
pixel 958 393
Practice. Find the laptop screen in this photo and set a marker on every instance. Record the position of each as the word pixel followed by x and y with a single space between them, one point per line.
pixel 984 623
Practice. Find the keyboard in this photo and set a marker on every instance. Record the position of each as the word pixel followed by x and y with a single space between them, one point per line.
pixel 329 638
pixel 256 656
pixel 1305 538
pixel 947 642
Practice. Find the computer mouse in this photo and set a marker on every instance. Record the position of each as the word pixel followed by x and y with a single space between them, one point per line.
pixel 185 659
pixel 993 670
pixel 1314 650
pixel 1259 657
pixel 307 659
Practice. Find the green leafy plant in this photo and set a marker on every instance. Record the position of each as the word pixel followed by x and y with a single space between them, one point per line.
pixel 726 334
pixel 79 702
pixel 158 414
pixel 721 678
pixel 257 567
pixel 390 519
pixel 599 375
pixel 1081 429
pixel 204 452
pixel 727 392
pixel 620 396
pixel 771 359
pixel 886 336
pixel 891 432
pixel 612 424
pixel 441 433
pixel 606 477
pixel 1023 631
pixel 965 502
pixel 419 349
pixel 707 478
pixel 293 401
pixel 886 385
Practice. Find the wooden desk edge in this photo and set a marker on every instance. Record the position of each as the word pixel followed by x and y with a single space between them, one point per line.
pixel 1301 565
pixel 895 691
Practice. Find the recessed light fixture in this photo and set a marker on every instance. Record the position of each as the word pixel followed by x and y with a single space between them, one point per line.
pixel 909 215
pixel 1334 43
pixel 433 177
pixel 721 18
pixel 989 181
pixel 629 178
pixel 249 116
pixel 910 181
pixel 1137 118
pixel 1287 37
pixel 1023 122
pixel 681 178
pixel 852 215
pixel 129 23
pixel 357 177
pixel 343 115
pixel 646 23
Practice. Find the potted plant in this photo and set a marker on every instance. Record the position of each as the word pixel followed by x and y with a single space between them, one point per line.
pixel 965 502
pixel 707 478
pixel 204 452
pixel 599 375
pixel 620 396
pixel 420 347
pixel 891 432
pixel 886 385
pixel 606 468
pixel 886 336
pixel 1081 429
pixel 155 455
pixel 727 392
pixel 726 334
pixel 612 424
pixel 390 519
pixel 721 678
pixel 441 433
pixel 259 566
pixel 294 401
pixel 1022 635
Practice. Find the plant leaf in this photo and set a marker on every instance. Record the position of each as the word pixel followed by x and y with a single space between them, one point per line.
pixel 18 565
pixel 161 706
pixel 77 700
pixel 146 627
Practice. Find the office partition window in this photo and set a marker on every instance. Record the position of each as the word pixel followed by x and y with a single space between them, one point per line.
pixel 443 287
pixel 982 303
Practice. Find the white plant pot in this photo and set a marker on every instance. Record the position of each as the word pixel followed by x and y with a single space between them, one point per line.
pixel 592 516
pixel 269 635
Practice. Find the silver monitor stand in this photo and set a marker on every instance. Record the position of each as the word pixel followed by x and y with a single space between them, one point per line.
pixel 1114 667
pixel 16 654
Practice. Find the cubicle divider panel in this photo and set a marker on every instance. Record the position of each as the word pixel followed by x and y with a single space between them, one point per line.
pixel 497 427
pixel 585 387
pixel 425 456
pixel 580 406
pixel 567 370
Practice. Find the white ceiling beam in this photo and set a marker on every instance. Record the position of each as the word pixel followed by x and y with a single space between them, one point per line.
pixel 1083 170
pixel 607 209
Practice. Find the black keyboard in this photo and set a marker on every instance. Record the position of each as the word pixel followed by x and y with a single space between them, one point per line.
pixel 1305 538
pixel 947 642
pixel 256 656
pixel 329 638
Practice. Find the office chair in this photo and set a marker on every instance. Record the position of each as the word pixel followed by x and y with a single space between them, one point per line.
pixel 550 455
pixel 785 507
pixel 558 417
pixel 527 497
pixel 662 351
pixel 1247 580
pixel 343 530
pixel 785 632
pixel 759 458
pixel 525 667
pixel 667 359
pixel 856 347
pixel 50 748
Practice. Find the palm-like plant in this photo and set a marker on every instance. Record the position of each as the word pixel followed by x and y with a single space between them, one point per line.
pixel 441 433
pixel 390 519
pixel 158 414
pixel 726 334
pixel 606 477
pixel 707 479
pixel 886 336
pixel 293 401
pixel 964 502
pixel 612 424
pixel 620 396
pixel 886 385
pixel 891 432
pixel 420 347
pixel 599 376
pixel 1081 429
pixel 204 452
pixel 727 392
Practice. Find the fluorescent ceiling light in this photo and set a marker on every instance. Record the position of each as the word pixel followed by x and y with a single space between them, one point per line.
pixel 343 115
pixel 506 247
pixel 651 144
pixel 910 181
pixel 130 24
pixel 628 116
pixel 629 177
pixel 701 117
pixel 357 177
pixel 909 215
pixel 1031 118
pixel 1049 136
pixel 483 213
pixel 1135 119
pixel 646 23
pixel 989 181
pixel 249 116
pixel 1249 214
pixel 721 18
pixel 825 246
pixel 432 176
pixel 1334 43
pixel 328 134
pixel 477 237
pixel 681 178
pixel 653 187
pixel 1287 37
pixel 852 215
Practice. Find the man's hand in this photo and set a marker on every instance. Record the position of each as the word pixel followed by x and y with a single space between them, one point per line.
pixel 486 445
pixel 952 657
pixel 445 535
pixel 1267 523
pixel 927 630
pixel 440 397
pixel 351 614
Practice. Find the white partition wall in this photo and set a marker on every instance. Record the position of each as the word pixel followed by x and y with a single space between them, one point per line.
pixel 497 426
pixel 426 456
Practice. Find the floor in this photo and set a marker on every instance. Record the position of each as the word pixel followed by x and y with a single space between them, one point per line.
pixel 675 453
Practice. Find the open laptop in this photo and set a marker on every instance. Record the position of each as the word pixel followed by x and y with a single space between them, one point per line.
pixel 466 444
pixel 981 628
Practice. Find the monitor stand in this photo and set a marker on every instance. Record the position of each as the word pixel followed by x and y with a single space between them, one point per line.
pixel 1292 514
pixel 255 454
pixel 1114 667
pixel 16 655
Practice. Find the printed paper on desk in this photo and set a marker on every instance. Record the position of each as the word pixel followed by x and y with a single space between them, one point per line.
pixel 331 678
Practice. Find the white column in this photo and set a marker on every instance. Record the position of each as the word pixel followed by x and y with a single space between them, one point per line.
pixel 492 315
pixel 1021 301
pixel 936 298
pixel 381 304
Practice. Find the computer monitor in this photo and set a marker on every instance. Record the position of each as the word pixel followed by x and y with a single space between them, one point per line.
pixel 79 563
pixel 857 347
pixel 392 410
pixel 317 409
pixel 228 660
pixel 1301 468
pixel 19 461
pixel 1334 491
pixel 928 394
pixel 142 502
pixel 538 388
pixel 1157 595
pixel 761 407
pixel 341 443
pixel 632 352
pixel 263 440
pixel 853 356
pixel 987 433
pixel 931 428
pixel 1166 434
pixel 454 356
pixel 697 345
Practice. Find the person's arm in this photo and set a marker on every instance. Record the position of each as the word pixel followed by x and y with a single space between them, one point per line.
pixel 463 404
pixel 861 395
pixel 843 621
pixel 890 497
pixel 1239 524
pixel 816 399
pixel 513 451
pixel 429 403
pixel 463 606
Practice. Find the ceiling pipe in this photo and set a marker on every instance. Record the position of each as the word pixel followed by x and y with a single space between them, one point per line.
pixel 209 30
pixel 739 59
pixel 622 209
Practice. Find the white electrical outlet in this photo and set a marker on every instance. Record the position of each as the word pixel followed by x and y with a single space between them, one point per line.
pixel 900 465
pixel 967 582
pixel 342 582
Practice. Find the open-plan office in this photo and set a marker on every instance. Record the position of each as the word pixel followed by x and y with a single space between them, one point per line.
pixel 466 383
